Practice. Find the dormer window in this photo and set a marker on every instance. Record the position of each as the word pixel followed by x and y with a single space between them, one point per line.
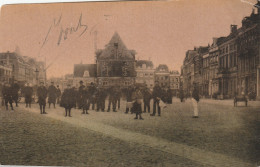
pixel 116 45
pixel 86 74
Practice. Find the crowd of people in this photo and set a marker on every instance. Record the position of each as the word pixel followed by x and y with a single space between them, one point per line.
pixel 93 97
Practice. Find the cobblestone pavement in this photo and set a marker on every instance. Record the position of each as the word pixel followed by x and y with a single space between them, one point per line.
pixel 220 131
pixel 32 139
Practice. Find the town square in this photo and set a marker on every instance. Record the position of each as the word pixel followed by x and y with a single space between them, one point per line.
pixel 105 84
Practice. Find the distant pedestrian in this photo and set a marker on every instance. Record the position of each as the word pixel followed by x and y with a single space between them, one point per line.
pixel 195 101
pixel 137 104
pixel 42 95
pixel 2 93
pixel 28 92
pixel 67 100
pixel 80 95
pixel 147 96
pixel 7 94
pixel 128 94
pixel 92 93
pixel 52 95
pixel 75 96
pixel 157 94
pixel 85 98
pixel 15 92
pixel 101 98
pixel 112 99
pixel 58 94
pixel 118 95
pixel 181 94
pixel 169 96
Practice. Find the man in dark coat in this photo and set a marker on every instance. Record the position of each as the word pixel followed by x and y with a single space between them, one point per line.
pixel 169 96
pixel 128 94
pixel 112 99
pixel 157 94
pixel 28 92
pixel 92 92
pixel 67 100
pixel 86 98
pixel 101 97
pixel 42 95
pixel 118 96
pixel 52 94
pixel 58 94
pixel 15 91
pixel 7 95
pixel 147 95
pixel 80 95
pixel 137 105
pixel 75 96
pixel 181 94
pixel 2 93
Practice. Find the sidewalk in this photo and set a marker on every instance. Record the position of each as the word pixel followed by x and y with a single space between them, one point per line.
pixel 230 102
pixel 226 102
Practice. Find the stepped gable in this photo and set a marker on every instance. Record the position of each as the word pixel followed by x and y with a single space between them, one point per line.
pixel 116 49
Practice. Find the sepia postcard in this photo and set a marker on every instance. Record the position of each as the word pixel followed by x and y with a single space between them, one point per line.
pixel 130 83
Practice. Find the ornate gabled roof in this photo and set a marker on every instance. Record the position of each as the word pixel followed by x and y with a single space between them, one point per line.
pixel 116 49
pixel 148 63
pixel 162 67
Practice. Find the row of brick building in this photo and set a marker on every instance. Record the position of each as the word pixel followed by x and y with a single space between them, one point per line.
pixel 230 65
pixel 23 69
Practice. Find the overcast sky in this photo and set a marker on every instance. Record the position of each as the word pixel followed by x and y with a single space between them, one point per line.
pixel 160 30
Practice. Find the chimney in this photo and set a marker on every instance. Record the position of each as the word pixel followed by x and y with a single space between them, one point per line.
pixel 7 60
pixel 233 28
pixel 215 41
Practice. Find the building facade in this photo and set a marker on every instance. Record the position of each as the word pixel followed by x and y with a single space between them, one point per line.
pixel 84 72
pixel 115 64
pixel 232 65
pixel 175 82
pixel 24 69
pixel 192 69
pixel 248 46
pixel 145 73
pixel 5 71
pixel 162 76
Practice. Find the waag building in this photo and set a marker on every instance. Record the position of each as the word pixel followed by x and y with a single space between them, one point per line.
pixel 115 64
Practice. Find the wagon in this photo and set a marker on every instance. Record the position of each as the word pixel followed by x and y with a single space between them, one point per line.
pixel 240 98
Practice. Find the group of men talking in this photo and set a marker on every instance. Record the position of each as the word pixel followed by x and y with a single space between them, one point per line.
pixel 89 97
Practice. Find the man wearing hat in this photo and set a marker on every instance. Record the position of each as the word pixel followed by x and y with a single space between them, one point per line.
pixel 112 99
pixel 7 94
pixel 147 95
pixel 58 93
pixel 67 100
pixel 80 95
pixel 28 92
pixel 92 92
pixel 15 89
pixel 52 91
pixel 157 95
pixel 42 95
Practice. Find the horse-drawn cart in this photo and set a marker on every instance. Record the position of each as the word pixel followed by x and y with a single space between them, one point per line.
pixel 240 98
